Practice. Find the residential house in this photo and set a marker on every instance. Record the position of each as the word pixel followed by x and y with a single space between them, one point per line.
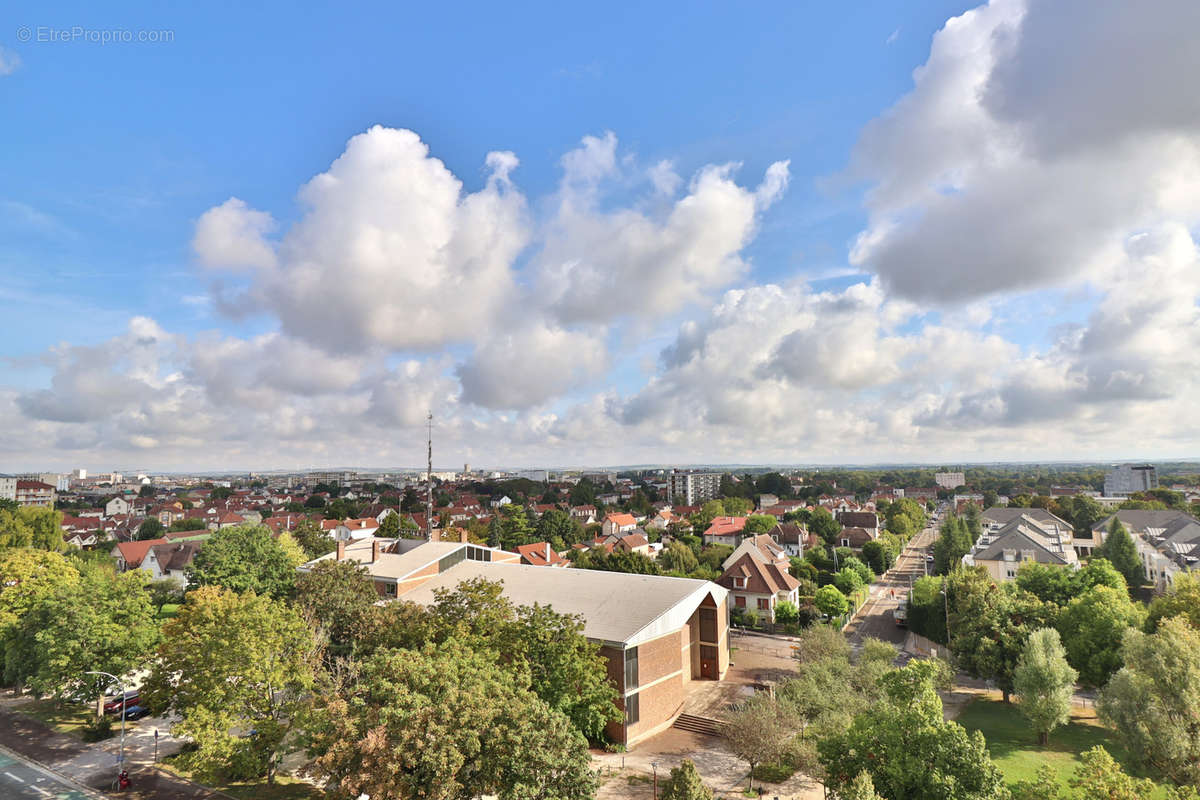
pixel 1023 538
pixel 118 505
pixel 1168 542
pixel 759 581
pixel 725 530
pixel 867 520
pixel 617 523
pixel 854 538
pixel 541 554
pixel 170 560
pixel 791 537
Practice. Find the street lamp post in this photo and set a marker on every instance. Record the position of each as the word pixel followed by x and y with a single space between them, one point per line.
pixel 654 766
pixel 121 686
pixel 946 604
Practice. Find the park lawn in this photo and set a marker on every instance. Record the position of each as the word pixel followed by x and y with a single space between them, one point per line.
pixel 1014 746
pixel 168 611
pixel 69 718
pixel 285 787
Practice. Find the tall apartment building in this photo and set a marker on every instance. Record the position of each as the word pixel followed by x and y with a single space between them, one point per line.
pixel 949 480
pixel 694 488
pixel 1130 478
pixel 8 487
pixel 35 493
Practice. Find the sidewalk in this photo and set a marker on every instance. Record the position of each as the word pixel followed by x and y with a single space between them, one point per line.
pixel 95 765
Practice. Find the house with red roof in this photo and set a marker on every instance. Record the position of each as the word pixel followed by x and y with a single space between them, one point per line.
pixel 541 554
pixel 725 530
pixel 617 523
pixel 758 580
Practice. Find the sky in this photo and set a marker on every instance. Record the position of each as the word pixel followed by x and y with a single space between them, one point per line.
pixel 786 233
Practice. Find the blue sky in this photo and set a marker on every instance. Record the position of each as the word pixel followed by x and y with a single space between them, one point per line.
pixel 113 152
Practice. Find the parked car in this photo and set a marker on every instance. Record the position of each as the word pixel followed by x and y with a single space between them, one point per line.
pixel 136 712
pixel 115 704
pixel 929 559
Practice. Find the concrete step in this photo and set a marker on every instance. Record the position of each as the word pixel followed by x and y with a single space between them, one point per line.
pixel 702 725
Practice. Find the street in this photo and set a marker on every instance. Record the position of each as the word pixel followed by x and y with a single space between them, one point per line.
pixel 22 778
pixel 876 618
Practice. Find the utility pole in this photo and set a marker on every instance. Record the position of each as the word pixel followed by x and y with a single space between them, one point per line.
pixel 429 484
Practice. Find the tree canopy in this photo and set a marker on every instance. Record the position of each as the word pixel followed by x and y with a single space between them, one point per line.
pixel 908 748
pixel 244 559
pixel 231 663
pixel 444 723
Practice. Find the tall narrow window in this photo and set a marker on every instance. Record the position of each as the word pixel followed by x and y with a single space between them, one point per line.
pixel 631 669
pixel 632 710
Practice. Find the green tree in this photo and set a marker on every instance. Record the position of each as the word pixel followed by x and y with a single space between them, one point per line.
pixel 1182 600
pixel 1044 683
pixel 954 541
pixel 1151 703
pixel 877 558
pixel 1121 552
pixel 861 788
pixel 786 612
pixel 231 663
pixel 27 577
pixel 558 528
pixel 150 529
pixel 315 501
pixel 759 523
pixel 737 506
pixel 244 559
pixel 15 531
pixel 759 731
pixel 704 517
pixel 102 622
pixel 163 591
pixel 390 527
pixel 848 581
pixel 1092 628
pixel 989 626
pixel 830 601
pixel 444 723
pixel 291 549
pixel 1100 776
pixel 908 748
pixel 316 542
pixel 684 784
pixel 336 595
pixel 1085 513
pixel 514 527
pixel 678 557
pixel 822 523
pixel 187 524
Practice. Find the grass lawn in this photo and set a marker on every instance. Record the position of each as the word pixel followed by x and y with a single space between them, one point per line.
pixel 1014 746
pixel 168 611
pixel 285 787
pixel 63 717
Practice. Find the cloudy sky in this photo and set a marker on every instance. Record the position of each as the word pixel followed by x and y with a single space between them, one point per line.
pixel 750 233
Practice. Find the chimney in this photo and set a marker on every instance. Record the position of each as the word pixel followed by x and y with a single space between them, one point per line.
pixel 547 554
pixel 374 550
pixel 462 535
pixel 435 535
pixel 341 551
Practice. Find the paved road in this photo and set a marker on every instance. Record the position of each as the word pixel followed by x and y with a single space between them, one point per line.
pixel 876 618
pixel 20 778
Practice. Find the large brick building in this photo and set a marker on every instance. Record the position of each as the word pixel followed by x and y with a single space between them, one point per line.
pixel 657 633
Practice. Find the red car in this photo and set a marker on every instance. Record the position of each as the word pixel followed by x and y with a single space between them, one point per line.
pixel 115 704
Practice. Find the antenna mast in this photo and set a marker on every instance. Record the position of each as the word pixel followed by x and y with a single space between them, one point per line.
pixel 429 484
